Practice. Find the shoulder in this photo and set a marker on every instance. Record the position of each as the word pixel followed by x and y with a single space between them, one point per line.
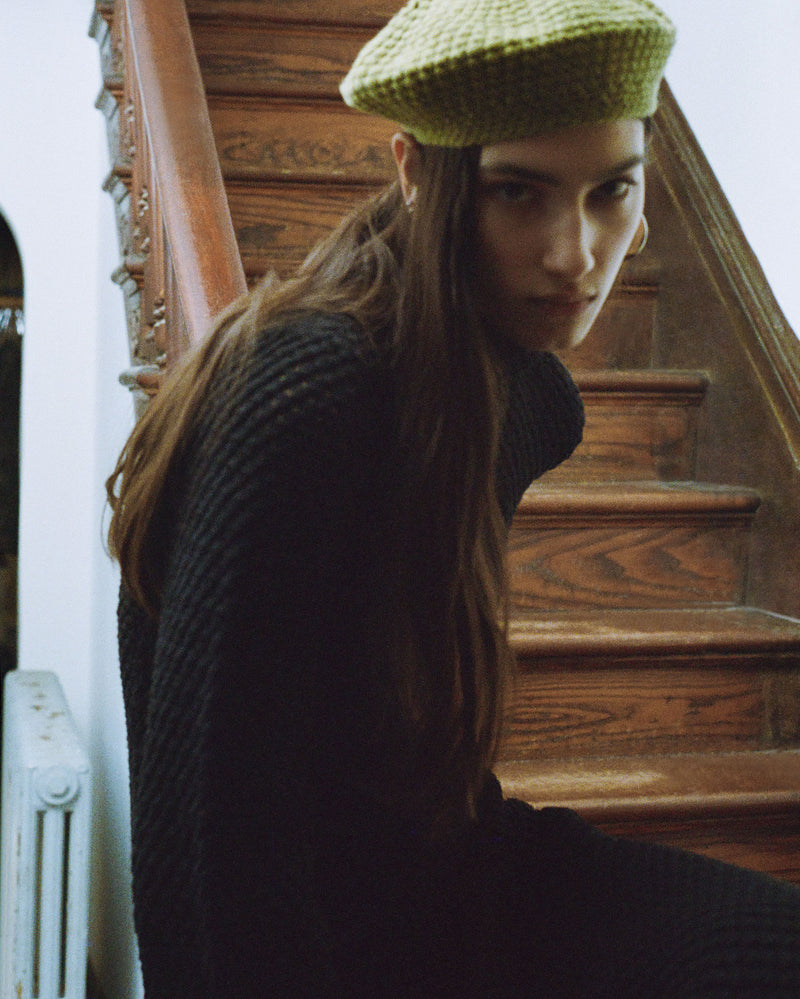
pixel 292 426
pixel 309 391
pixel 541 389
pixel 540 376
pixel 543 426
pixel 306 356
pixel 312 337
pixel 299 369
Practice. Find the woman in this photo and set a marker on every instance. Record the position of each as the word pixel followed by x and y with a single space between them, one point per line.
pixel 310 522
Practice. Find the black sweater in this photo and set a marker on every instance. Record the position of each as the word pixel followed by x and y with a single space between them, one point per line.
pixel 263 864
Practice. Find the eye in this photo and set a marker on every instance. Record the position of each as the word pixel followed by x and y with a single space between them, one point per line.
pixel 616 189
pixel 513 192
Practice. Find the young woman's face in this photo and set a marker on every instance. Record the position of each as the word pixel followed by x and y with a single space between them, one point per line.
pixel 555 216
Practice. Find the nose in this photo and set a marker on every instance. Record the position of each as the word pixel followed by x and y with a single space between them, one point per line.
pixel 568 248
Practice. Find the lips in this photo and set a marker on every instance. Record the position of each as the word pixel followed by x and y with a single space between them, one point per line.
pixel 562 305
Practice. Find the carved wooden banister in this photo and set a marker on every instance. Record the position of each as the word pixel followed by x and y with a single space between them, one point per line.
pixel 184 247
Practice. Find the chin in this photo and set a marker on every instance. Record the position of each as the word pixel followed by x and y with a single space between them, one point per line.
pixel 546 331
pixel 533 337
pixel 577 338
pixel 574 338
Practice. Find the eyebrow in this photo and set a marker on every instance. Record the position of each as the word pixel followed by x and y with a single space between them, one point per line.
pixel 524 173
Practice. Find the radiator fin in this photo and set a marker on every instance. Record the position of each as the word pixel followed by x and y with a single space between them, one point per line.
pixel 45 843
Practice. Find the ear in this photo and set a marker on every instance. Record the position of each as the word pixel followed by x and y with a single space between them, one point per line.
pixel 405 150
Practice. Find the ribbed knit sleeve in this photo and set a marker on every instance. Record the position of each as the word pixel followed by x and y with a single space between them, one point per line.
pixel 223 699
pixel 543 427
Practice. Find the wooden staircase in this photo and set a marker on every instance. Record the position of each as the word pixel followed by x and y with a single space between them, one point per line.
pixel 654 574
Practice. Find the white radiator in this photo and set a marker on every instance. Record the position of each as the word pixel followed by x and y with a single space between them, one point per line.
pixel 45 844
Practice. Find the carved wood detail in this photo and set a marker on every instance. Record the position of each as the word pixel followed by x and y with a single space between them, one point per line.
pixel 170 171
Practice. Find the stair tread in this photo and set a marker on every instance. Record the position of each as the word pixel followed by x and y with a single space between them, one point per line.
pixel 625 631
pixel 346 12
pixel 641 426
pixel 624 499
pixel 642 381
pixel 703 783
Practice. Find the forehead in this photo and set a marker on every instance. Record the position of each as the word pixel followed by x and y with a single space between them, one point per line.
pixel 581 152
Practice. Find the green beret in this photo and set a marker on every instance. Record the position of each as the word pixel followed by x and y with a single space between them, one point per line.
pixel 475 72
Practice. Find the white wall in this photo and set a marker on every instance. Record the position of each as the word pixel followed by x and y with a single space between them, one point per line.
pixel 74 416
pixel 736 75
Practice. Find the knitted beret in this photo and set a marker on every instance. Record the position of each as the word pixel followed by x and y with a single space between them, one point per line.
pixel 474 72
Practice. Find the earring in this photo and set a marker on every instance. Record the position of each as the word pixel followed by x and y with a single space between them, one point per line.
pixel 411 200
pixel 639 239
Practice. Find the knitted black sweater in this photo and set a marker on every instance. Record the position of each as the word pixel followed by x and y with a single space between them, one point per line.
pixel 262 863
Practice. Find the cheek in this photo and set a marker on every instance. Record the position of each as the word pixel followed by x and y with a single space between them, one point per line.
pixel 488 245
pixel 618 238
pixel 632 218
pixel 501 256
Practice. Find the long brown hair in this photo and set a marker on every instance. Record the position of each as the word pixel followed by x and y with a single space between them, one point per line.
pixel 406 280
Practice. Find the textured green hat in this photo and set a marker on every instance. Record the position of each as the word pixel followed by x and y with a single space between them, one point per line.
pixel 474 72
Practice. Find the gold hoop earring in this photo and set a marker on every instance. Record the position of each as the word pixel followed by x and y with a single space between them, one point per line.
pixel 639 239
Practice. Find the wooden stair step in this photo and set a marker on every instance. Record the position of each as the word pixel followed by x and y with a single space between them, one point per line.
pixel 248 46
pixel 623 682
pixel 743 808
pixel 640 384
pixel 275 57
pixel 276 225
pixel 636 502
pixel 640 425
pixel 642 544
pixel 637 636
pixel 369 13
pixel 611 788
pixel 299 141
